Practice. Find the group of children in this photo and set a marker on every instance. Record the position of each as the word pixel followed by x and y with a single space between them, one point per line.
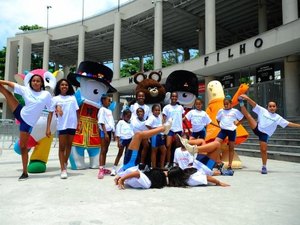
pixel 138 129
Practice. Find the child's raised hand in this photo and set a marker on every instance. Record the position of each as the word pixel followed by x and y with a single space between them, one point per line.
pixel 58 110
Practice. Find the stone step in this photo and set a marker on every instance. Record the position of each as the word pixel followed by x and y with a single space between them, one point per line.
pixel 277 141
pixel 271 147
pixel 283 156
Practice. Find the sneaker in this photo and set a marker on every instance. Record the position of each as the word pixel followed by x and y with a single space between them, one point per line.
pixel 190 148
pixel 113 172
pixel 106 171
pixel 63 174
pixel 264 170
pixel 227 172
pixel 101 173
pixel 241 101
pixel 167 126
pixel 24 176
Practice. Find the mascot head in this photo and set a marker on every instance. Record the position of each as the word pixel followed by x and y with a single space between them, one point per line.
pixel 214 90
pixel 185 83
pixel 93 79
pixel 154 91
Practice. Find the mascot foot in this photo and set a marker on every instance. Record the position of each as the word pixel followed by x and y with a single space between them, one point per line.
pixel 36 167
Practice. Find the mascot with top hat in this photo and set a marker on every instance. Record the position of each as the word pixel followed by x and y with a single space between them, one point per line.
pixel 94 81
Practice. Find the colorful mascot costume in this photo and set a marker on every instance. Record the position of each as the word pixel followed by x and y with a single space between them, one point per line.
pixel 94 81
pixel 38 138
pixel 216 96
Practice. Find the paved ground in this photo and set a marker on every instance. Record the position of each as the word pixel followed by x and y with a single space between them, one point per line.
pixel 82 199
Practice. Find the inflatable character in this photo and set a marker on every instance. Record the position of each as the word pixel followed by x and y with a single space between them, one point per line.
pixel 94 81
pixel 185 83
pixel 38 139
pixel 216 96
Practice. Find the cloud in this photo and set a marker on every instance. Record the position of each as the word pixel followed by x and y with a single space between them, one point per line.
pixel 15 13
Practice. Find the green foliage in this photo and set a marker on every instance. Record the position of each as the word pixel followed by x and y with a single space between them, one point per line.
pixel 245 80
pixel 28 27
pixel 2 62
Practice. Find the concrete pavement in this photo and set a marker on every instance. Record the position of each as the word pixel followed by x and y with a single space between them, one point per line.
pixel 82 199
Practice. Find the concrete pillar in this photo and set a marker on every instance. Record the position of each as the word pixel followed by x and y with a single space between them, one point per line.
pixel 46 52
pixel 201 37
pixel 66 71
pixel 262 16
pixel 24 55
pixel 117 46
pixel 210 26
pixel 158 21
pixel 141 59
pixel 116 112
pixel 187 54
pixel 289 11
pixel 81 45
pixel 292 85
pixel 11 65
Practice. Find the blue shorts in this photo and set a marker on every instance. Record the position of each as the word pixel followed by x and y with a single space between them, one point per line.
pixel 261 136
pixel 125 142
pixel 67 131
pixel 157 140
pixel 199 134
pixel 102 135
pixel 172 133
pixel 23 125
pixel 210 163
pixel 230 133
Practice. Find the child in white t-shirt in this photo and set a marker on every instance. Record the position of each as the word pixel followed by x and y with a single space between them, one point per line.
pixel 140 97
pixel 107 128
pixel 124 133
pixel 65 106
pixel 265 126
pixel 228 119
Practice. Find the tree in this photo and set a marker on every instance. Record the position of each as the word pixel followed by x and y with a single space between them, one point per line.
pixel 2 62
pixel 28 27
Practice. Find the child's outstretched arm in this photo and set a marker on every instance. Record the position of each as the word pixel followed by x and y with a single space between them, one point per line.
pixel 217 182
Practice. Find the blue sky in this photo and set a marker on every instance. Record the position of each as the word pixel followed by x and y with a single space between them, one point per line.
pixel 15 13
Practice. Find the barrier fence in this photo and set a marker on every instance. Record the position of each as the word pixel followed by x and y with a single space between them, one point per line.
pixel 9 133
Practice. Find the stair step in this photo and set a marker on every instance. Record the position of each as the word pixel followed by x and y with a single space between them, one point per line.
pixel 277 141
pixel 272 147
pixel 283 156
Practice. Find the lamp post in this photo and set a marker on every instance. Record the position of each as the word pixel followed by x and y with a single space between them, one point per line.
pixel 48 7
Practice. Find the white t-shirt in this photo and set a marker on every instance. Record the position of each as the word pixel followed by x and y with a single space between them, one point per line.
pixel 138 125
pixel 227 118
pixel 124 130
pixel 135 106
pixel 153 121
pixel 199 119
pixel 69 107
pixel 267 122
pixel 105 117
pixel 35 103
pixel 197 179
pixel 183 158
pixel 176 113
pixel 141 182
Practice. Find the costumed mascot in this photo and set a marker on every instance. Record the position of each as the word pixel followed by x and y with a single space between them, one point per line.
pixel 94 81
pixel 38 138
pixel 185 83
pixel 216 96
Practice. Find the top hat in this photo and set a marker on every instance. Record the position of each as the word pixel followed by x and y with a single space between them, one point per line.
pixel 95 71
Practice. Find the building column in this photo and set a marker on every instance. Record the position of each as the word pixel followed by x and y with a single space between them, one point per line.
pixel 186 54
pixel 262 16
pixel 81 45
pixel 46 52
pixel 292 85
pixel 117 46
pixel 201 37
pixel 158 21
pixel 66 71
pixel 11 68
pixel 116 112
pixel 24 55
pixel 210 26
pixel 289 11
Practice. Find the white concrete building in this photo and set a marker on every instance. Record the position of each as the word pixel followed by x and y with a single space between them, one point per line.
pixel 257 39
